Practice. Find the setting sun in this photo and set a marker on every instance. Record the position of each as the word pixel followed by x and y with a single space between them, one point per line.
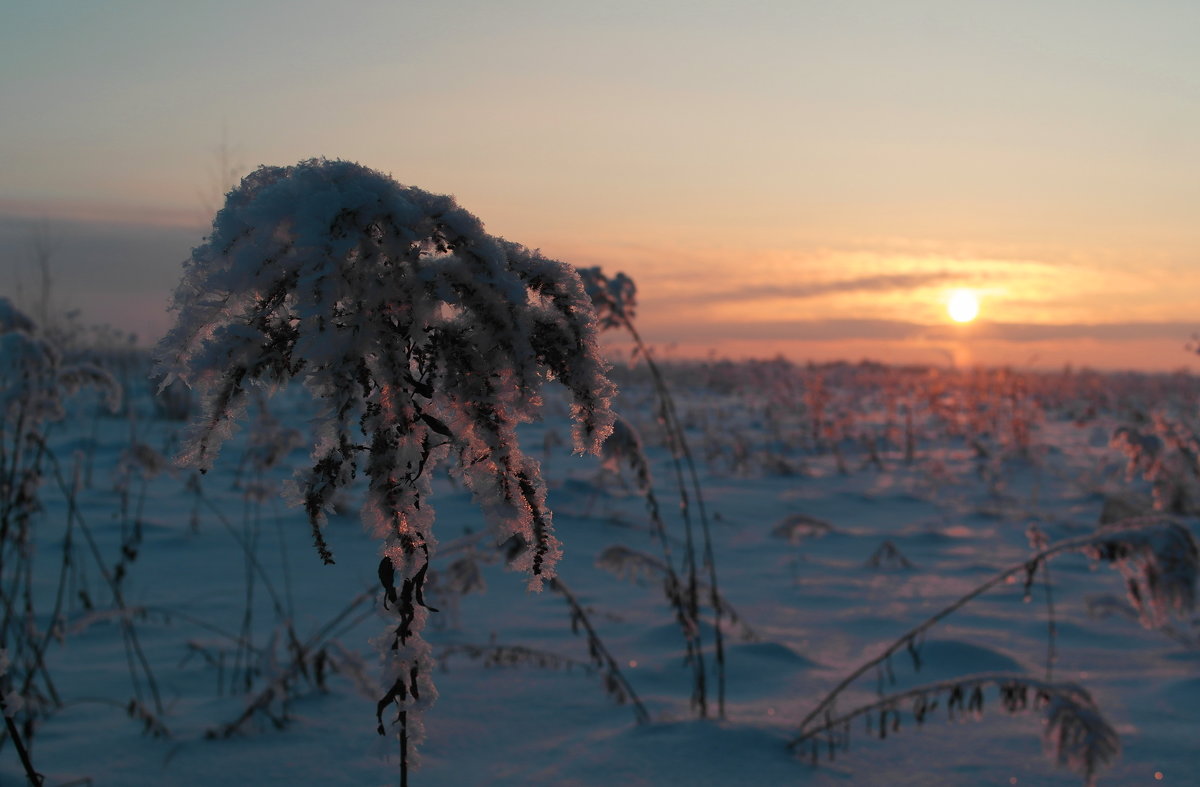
pixel 963 306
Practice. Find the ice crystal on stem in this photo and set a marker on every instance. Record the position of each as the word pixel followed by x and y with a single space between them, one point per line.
pixel 423 337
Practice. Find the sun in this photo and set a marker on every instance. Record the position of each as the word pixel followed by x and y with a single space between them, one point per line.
pixel 963 306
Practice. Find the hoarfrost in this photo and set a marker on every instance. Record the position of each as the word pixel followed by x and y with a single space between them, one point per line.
pixel 424 339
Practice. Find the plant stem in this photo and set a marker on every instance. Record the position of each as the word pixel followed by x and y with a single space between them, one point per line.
pixel 679 447
pixel 600 652
pixel 1030 565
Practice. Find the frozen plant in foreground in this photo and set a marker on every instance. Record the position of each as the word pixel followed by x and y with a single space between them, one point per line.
pixel 423 337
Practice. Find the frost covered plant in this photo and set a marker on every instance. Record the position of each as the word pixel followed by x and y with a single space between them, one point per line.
pixel 423 337
pixel 1075 733
pixel 1157 557
pixel 615 299
pixel 624 447
pixel 33 379
pixel 34 384
pixel 1159 566
pixel 1166 455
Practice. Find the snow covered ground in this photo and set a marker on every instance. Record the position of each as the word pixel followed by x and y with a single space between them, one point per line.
pixel 223 589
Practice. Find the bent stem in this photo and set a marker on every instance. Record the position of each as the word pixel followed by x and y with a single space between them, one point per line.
pixel 132 644
pixel 679 447
pixel 35 778
pixel 685 607
pixel 889 702
pixel 909 638
pixel 1074 733
pixel 600 654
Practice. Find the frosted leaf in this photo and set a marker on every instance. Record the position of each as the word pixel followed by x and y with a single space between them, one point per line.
pixel 1075 734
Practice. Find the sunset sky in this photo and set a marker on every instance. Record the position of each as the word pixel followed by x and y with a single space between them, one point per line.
pixel 810 178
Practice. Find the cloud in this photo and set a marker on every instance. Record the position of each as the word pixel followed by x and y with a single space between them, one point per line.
pixel 899 330
pixel 1035 332
pixel 804 330
pixel 879 283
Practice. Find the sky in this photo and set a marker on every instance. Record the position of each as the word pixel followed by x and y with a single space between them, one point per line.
pixel 807 178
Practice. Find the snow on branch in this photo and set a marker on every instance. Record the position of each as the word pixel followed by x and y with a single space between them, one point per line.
pixel 422 337
pixel 421 334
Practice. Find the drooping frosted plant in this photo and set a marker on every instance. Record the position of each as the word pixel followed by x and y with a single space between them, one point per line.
pixel 1076 735
pixel 1165 453
pixel 1160 561
pixel 34 380
pixel 34 383
pixel 615 300
pixel 423 337
pixel 1160 566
